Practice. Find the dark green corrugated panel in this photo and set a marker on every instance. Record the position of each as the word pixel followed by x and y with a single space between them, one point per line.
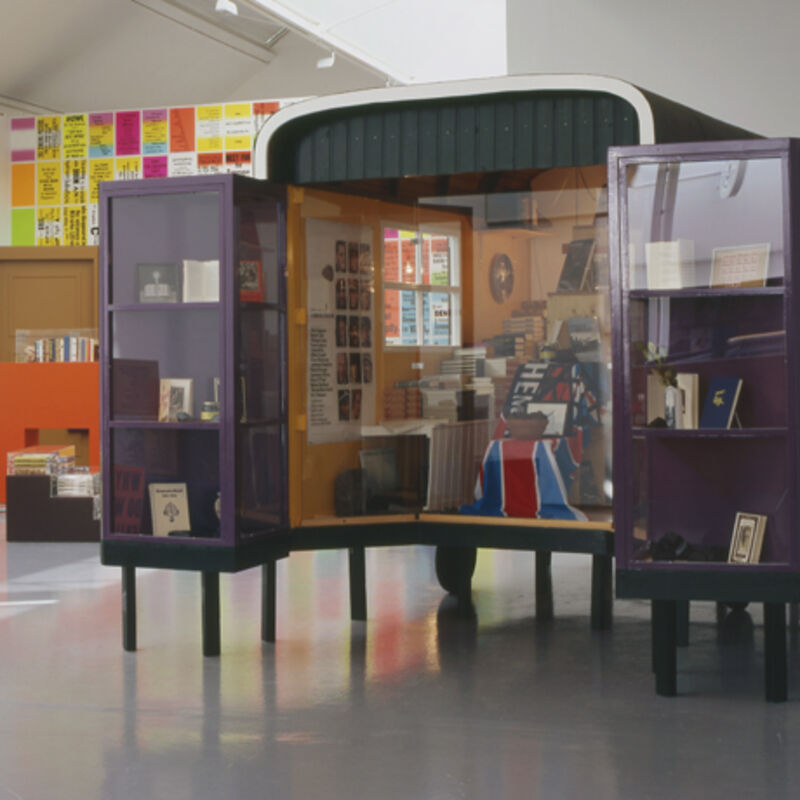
pixel 452 135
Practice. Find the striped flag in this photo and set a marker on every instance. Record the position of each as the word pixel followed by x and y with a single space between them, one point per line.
pixel 521 478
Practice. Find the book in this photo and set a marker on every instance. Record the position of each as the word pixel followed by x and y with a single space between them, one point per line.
pixel 576 265
pixel 200 281
pixel 169 508
pixel 670 265
pixel 655 398
pixel 689 387
pixel 720 403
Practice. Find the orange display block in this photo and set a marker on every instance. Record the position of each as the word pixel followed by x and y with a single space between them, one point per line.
pixel 36 397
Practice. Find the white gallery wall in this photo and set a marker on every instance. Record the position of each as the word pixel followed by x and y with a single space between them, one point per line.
pixel 733 59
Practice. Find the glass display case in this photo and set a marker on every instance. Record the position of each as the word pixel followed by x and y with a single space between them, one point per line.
pixel 193 383
pixel 703 256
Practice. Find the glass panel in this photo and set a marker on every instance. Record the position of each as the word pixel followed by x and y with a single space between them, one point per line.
pixel 260 279
pixel 437 318
pixel 261 479
pixel 690 342
pixel 165 482
pixel 705 224
pixel 165 248
pixel 261 365
pixel 487 342
pixel 174 352
pixel 713 479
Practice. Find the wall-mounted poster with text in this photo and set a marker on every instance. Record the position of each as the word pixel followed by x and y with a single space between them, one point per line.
pixel 58 161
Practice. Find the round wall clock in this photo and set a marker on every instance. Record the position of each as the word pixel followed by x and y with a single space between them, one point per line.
pixel 501 277
pixel 731 177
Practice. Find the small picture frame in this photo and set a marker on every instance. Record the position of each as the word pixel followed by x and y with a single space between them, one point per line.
pixel 157 283
pixel 747 538
pixel 733 267
pixel 176 399
pixel 250 280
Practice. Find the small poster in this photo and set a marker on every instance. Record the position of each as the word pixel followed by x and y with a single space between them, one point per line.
pixel 126 169
pixel 128 133
pixel 99 170
pixel 101 135
pixel 181 130
pixel 75 136
pixel 75 226
pixel 23 139
pixel 48 183
pixel 209 128
pixel 341 334
pixel 154 132
pixel 182 164
pixel 76 181
pixel 48 138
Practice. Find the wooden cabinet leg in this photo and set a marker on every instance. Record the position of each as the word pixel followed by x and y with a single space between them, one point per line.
pixel 602 592
pixel 775 652
pixel 210 614
pixel 358 583
pixel 268 594
pixel 665 656
pixel 129 608
pixel 544 586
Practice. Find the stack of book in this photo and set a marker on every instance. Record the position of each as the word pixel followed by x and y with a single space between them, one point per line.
pixel 402 402
pixel 77 484
pixel 41 460
pixel 510 345
pixel 532 327
pixel 465 361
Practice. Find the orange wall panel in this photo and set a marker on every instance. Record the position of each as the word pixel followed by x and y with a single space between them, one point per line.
pixel 42 396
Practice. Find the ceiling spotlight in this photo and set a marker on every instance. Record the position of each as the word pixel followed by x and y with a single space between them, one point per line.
pixel 227 5
pixel 324 63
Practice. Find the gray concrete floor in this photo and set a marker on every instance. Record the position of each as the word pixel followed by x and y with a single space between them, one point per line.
pixel 415 703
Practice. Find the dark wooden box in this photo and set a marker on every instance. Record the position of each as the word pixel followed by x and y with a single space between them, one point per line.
pixel 32 515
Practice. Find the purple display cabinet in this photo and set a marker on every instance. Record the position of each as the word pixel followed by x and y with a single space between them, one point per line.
pixel 193 383
pixel 704 251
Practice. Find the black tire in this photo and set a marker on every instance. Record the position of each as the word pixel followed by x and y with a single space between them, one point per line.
pixel 455 566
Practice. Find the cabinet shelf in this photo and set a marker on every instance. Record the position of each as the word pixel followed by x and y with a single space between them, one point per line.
pixel 189 425
pixel 171 307
pixel 709 433
pixel 698 292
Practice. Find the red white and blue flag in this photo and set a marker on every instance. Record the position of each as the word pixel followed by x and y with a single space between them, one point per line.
pixel 528 479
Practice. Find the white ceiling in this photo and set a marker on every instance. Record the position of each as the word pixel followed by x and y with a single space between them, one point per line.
pixel 58 56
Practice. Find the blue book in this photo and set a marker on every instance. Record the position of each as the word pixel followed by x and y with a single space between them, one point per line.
pixel 720 403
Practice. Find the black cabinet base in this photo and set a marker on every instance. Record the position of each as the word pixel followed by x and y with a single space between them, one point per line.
pixel 668 618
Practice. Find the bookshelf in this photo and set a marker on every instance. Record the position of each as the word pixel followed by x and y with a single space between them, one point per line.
pixel 702 282
pixel 193 404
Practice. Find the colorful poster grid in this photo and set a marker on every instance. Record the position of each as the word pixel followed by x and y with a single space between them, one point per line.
pixel 58 162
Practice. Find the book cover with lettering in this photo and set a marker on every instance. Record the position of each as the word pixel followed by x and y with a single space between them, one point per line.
pixel 720 403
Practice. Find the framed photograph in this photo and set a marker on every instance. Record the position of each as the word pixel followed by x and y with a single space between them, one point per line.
pixel 176 399
pixel 747 538
pixel 250 280
pixel 157 283
pixel 739 266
